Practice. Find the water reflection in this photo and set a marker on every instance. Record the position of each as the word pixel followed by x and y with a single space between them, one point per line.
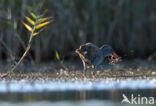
pixel 113 95
pixel 73 92
pixel 68 103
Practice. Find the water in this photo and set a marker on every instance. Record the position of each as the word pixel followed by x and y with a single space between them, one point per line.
pixel 23 86
pixel 69 88
pixel 77 92
pixel 66 103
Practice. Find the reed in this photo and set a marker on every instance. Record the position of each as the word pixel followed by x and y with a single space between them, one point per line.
pixel 37 23
pixel 127 25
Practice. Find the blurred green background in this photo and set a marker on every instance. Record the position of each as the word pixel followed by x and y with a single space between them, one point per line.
pixel 127 25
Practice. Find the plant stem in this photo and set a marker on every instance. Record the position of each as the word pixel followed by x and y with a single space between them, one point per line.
pixel 24 54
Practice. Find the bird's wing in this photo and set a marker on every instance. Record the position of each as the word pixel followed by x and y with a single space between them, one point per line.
pixel 97 59
pixel 91 52
pixel 84 56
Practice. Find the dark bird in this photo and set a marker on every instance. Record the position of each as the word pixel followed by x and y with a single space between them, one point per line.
pixel 93 56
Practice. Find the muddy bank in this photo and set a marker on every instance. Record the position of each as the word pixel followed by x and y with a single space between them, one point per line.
pixel 54 70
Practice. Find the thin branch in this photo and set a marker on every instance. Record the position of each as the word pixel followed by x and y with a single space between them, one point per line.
pixel 24 54
pixel 38 26
pixel 23 45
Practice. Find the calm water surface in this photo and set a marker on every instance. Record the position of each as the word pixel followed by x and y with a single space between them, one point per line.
pixel 69 88
pixel 77 92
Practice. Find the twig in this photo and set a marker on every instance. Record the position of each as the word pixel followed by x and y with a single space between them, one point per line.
pixel 21 41
pixel 24 54
pixel 37 24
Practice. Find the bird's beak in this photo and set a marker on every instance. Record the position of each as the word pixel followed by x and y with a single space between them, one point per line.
pixel 114 55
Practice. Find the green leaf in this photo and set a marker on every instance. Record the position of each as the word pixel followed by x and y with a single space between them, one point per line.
pixel 28 27
pixel 36 33
pixel 12 57
pixel 44 19
pixel 57 55
pixel 33 15
pixel 15 24
pixel 30 20
pixel 42 24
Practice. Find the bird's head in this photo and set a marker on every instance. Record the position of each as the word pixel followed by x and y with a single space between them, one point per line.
pixel 108 51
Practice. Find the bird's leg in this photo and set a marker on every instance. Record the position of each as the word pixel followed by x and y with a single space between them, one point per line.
pixel 93 71
pixel 84 68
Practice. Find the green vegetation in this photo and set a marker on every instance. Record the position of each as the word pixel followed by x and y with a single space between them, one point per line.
pixel 37 23
pixel 127 25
